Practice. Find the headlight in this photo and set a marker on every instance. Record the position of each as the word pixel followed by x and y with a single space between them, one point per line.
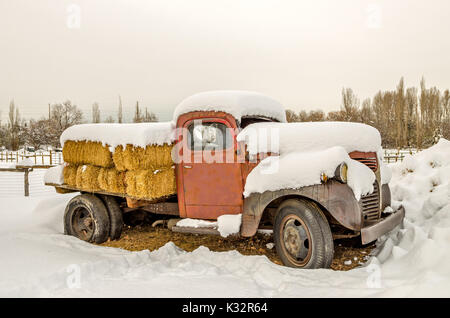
pixel 341 173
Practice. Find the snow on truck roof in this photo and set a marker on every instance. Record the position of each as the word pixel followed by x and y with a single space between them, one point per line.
pixel 237 103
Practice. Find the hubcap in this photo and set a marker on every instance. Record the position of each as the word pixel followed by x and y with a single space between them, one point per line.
pixel 82 224
pixel 296 240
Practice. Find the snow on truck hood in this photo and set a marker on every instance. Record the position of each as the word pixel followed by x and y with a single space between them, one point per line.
pixel 300 169
pixel 306 150
pixel 236 103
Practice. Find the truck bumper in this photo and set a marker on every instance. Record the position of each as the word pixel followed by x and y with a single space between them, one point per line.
pixel 384 225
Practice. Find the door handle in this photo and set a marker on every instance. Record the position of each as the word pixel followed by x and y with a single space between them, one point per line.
pixel 187 167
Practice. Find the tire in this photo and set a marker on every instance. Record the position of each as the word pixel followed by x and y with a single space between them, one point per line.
pixel 327 235
pixel 115 216
pixel 302 235
pixel 86 218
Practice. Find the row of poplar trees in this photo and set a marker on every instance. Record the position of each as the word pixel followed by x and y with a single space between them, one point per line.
pixel 406 117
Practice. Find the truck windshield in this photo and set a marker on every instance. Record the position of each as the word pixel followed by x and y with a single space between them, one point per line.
pixel 209 136
pixel 245 121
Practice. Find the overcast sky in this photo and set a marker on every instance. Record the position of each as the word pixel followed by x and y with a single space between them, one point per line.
pixel 159 52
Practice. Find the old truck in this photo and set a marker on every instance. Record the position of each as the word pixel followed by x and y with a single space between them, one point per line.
pixel 305 219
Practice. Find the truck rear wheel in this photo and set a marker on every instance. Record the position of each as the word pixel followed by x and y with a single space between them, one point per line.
pixel 86 218
pixel 299 235
pixel 115 216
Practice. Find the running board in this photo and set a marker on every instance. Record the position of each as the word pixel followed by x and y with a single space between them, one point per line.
pixel 195 230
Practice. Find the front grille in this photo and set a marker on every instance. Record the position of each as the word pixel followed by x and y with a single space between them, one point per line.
pixel 370 205
pixel 367 158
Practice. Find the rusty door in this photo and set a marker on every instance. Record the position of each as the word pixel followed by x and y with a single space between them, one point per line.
pixel 211 175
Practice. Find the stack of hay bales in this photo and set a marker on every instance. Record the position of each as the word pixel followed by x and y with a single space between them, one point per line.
pixel 142 173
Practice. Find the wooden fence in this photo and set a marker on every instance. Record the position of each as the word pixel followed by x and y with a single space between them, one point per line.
pixel 50 158
pixel 26 171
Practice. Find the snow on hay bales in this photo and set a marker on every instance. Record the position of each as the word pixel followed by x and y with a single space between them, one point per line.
pixel 132 159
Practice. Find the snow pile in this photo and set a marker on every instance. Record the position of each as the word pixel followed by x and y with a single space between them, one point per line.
pixel 236 103
pixel 229 224
pixel 284 138
pixel 196 223
pixel 54 175
pixel 226 224
pixel 300 169
pixel 419 252
pixel 138 135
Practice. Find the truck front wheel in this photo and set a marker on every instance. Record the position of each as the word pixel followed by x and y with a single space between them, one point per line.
pixel 86 218
pixel 302 238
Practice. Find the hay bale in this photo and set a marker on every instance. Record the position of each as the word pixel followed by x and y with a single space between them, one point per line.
pixel 70 175
pixel 138 158
pixel 87 178
pixel 87 153
pixel 112 180
pixel 149 184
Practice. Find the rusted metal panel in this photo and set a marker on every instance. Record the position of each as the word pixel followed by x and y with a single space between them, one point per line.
pixel 169 208
pixel 208 190
pixel 368 158
pixel 133 203
pixel 336 197
pixel 194 230
pixel 211 212
pixel 371 233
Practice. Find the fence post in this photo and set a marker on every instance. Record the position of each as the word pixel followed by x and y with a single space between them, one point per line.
pixel 26 183
pixel 50 157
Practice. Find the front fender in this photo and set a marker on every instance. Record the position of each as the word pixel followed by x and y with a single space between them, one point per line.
pixel 337 198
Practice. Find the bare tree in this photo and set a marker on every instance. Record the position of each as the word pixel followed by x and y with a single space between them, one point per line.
pixel 291 116
pixel 350 105
pixel 62 117
pixel 95 113
pixel 149 117
pixel 119 113
pixel 137 114
pixel 14 127
pixel 38 133
pixel 109 119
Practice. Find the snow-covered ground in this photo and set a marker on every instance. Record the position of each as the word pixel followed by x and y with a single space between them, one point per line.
pixel 38 260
